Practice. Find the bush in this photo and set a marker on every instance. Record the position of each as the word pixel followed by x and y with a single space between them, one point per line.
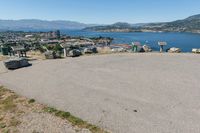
pixel 31 101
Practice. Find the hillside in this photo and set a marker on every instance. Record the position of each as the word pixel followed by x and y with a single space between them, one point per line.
pixel 117 27
pixel 190 24
pixel 34 24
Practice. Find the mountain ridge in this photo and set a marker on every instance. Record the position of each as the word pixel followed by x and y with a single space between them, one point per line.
pixel 37 24
pixel 190 24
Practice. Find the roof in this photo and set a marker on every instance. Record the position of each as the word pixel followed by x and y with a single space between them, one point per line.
pixel 162 43
pixel 136 43
pixel 65 45
pixel 18 48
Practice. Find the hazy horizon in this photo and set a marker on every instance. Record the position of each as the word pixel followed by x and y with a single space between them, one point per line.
pixel 99 12
pixel 80 22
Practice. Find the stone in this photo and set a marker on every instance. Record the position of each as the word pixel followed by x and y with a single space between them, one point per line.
pixel 16 63
pixel 74 53
pixel 174 50
pixel 88 51
pixel 194 50
pixel 94 50
pixel 50 55
pixel 146 48
pixel 119 49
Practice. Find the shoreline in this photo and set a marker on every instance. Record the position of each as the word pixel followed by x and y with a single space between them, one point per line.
pixel 198 33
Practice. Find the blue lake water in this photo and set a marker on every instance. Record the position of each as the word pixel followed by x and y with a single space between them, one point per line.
pixel 185 41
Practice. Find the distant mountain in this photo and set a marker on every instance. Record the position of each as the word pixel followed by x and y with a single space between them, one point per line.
pixel 117 27
pixel 190 24
pixel 35 24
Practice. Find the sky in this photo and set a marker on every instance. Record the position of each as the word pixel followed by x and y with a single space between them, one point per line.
pixel 100 11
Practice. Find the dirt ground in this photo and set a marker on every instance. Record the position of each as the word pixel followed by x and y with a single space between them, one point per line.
pixel 21 115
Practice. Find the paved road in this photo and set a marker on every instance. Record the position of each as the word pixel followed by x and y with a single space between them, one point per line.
pixel 127 93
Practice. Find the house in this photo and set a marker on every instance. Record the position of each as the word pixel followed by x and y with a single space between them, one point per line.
pixel 20 50
pixel 162 44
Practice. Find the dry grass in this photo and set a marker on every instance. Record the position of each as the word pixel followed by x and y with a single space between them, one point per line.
pixel 3 57
pixel 35 55
pixel 13 107
pixel 75 121
pixel 8 111
pixel 104 50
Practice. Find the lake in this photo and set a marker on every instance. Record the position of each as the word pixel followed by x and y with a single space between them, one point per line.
pixel 185 41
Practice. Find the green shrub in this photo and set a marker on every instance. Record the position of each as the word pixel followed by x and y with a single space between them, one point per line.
pixel 31 101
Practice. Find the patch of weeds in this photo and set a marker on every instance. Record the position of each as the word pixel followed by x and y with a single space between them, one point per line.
pixel 2 91
pixel 21 100
pixel 75 121
pixel 14 122
pixel 31 101
pixel 62 114
pixel 20 112
pixel 1 118
pixel 95 129
pixel 56 112
pixel 34 131
pixel 50 110
pixel 6 131
pixel 2 125
pixel 15 131
pixel 8 103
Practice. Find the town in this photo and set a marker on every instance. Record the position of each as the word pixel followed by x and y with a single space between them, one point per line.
pixel 51 42
pixel 54 45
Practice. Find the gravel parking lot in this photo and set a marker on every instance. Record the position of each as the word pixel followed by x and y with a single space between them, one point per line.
pixel 124 93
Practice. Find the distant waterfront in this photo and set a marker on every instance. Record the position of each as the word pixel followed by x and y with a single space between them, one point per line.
pixel 185 41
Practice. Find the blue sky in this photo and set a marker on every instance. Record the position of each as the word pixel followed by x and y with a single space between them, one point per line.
pixel 100 11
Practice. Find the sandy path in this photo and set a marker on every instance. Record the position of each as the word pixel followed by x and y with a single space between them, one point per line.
pixel 127 93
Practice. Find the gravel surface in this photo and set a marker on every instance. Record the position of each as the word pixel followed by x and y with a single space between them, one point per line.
pixel 124 93
pixel 46 123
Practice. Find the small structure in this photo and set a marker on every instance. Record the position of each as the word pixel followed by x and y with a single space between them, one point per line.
pixel 162 44
pixel 70 49
pixel 20 50
pixel 66 47
pixel 4 50
pixel 136 46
